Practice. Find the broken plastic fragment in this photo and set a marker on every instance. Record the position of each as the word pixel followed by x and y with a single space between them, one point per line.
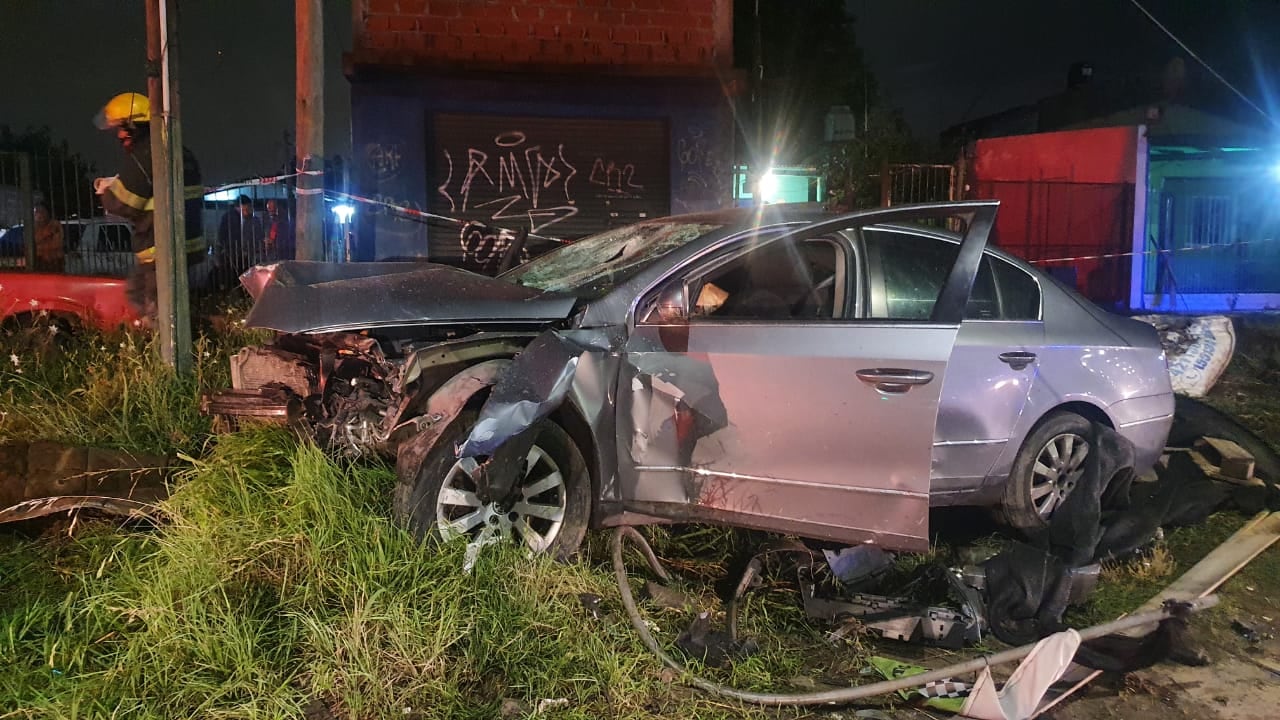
pixel 944 695
pixel 860 562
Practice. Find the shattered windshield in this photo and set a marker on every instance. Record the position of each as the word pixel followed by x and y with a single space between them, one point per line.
pixel 597 263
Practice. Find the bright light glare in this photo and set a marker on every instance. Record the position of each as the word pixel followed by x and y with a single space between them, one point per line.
pixel 768 186
pixel 343 213
pixel 1275 172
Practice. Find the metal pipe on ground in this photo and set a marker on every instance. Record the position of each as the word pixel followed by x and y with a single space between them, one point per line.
pixel 843 695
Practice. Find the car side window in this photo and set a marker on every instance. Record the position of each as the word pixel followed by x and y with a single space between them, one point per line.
pixel 114 238
pixel 780 280
pixel 984 302
pixel 1019 292
pixel 71 236
pixel 913 269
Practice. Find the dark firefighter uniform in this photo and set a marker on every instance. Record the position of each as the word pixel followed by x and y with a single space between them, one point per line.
pixel 131 194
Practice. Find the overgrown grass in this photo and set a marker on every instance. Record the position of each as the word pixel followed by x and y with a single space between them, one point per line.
pixel 108 390
pixel 278 579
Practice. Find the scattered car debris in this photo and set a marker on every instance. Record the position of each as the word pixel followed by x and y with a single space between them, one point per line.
pixel 546 704
pixel 896 619
pixel 1170 612
pixel 592 602
pixel 715 648
pixel 1247 632
pixel 1199 349
pixel 946 695
pixel 44 478
pixel 1021 693
pixel 852 565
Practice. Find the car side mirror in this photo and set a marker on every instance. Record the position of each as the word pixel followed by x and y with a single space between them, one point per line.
pixel 669 307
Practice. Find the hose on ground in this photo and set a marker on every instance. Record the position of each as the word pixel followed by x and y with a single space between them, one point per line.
pixel 839 696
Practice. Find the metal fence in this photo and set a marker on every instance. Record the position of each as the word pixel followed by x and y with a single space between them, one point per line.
pixel 910 183
pixel 60 183
pixel 94 243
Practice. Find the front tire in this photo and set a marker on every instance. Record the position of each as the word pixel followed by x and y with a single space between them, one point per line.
pixel 548 510
pixel 1047 469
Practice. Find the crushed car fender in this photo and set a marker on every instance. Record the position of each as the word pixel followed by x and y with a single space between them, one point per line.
pixel 536 383
pixel 443 407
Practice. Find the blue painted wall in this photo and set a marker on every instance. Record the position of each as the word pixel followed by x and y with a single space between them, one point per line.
pixel 392 125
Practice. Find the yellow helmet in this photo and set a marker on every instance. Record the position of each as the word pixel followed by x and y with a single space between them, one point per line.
pixel 124 110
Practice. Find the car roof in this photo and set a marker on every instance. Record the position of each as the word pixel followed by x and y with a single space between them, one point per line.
pixel 98 220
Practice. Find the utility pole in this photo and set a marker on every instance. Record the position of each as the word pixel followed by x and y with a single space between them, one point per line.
pixel 758 165
pixel 309 112
pixel 173 321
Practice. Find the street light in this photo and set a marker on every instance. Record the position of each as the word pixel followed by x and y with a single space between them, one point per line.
pixel 343 213
pixel 768 187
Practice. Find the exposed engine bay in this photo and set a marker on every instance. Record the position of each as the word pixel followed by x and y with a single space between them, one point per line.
pixel 356 394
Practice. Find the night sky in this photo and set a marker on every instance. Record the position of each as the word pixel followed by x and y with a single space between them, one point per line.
pixel 941 61
pixel 62 60
pixel 944 61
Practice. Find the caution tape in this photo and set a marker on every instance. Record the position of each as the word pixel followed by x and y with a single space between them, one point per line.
pixel 422 214
pixel 252 182
pixel 401 210
pixel 1190 248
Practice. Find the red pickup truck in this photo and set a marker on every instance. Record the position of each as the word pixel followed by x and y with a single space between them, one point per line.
pixel 92 301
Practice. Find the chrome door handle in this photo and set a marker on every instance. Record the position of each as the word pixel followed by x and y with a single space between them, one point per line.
pixel 1017 359
pixel 894 380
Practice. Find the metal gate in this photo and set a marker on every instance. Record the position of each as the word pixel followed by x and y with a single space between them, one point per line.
pixel 910 183
pixel 556 177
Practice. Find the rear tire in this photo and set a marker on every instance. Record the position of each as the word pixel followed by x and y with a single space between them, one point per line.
pixel 548 511
pixel 1047 469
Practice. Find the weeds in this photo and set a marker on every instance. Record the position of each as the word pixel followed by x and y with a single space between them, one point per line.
pixel 108 390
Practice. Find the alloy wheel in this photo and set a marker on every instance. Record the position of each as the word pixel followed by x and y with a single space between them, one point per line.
pixel 532 514
pixel 1057 471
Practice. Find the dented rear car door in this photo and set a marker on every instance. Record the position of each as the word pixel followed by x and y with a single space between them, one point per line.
pixel 787 407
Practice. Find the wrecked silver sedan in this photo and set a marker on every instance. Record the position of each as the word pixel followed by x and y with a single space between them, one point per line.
pixel 781 369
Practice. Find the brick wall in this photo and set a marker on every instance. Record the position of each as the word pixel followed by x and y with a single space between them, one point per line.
pixel 676 36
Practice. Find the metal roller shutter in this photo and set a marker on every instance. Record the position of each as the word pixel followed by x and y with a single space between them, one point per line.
pixel 560 177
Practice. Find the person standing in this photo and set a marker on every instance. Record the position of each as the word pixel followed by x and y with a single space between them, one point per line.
pixel 130 194
pixel 50 252
pixel 240 240
pixel 280 239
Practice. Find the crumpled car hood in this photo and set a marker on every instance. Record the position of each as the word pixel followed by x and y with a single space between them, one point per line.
pixel 316 297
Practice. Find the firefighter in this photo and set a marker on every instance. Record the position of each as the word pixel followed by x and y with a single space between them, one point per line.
pixel 130 195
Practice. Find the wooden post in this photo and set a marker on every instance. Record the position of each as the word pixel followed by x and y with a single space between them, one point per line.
pixel 309 110
pixel 173 321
